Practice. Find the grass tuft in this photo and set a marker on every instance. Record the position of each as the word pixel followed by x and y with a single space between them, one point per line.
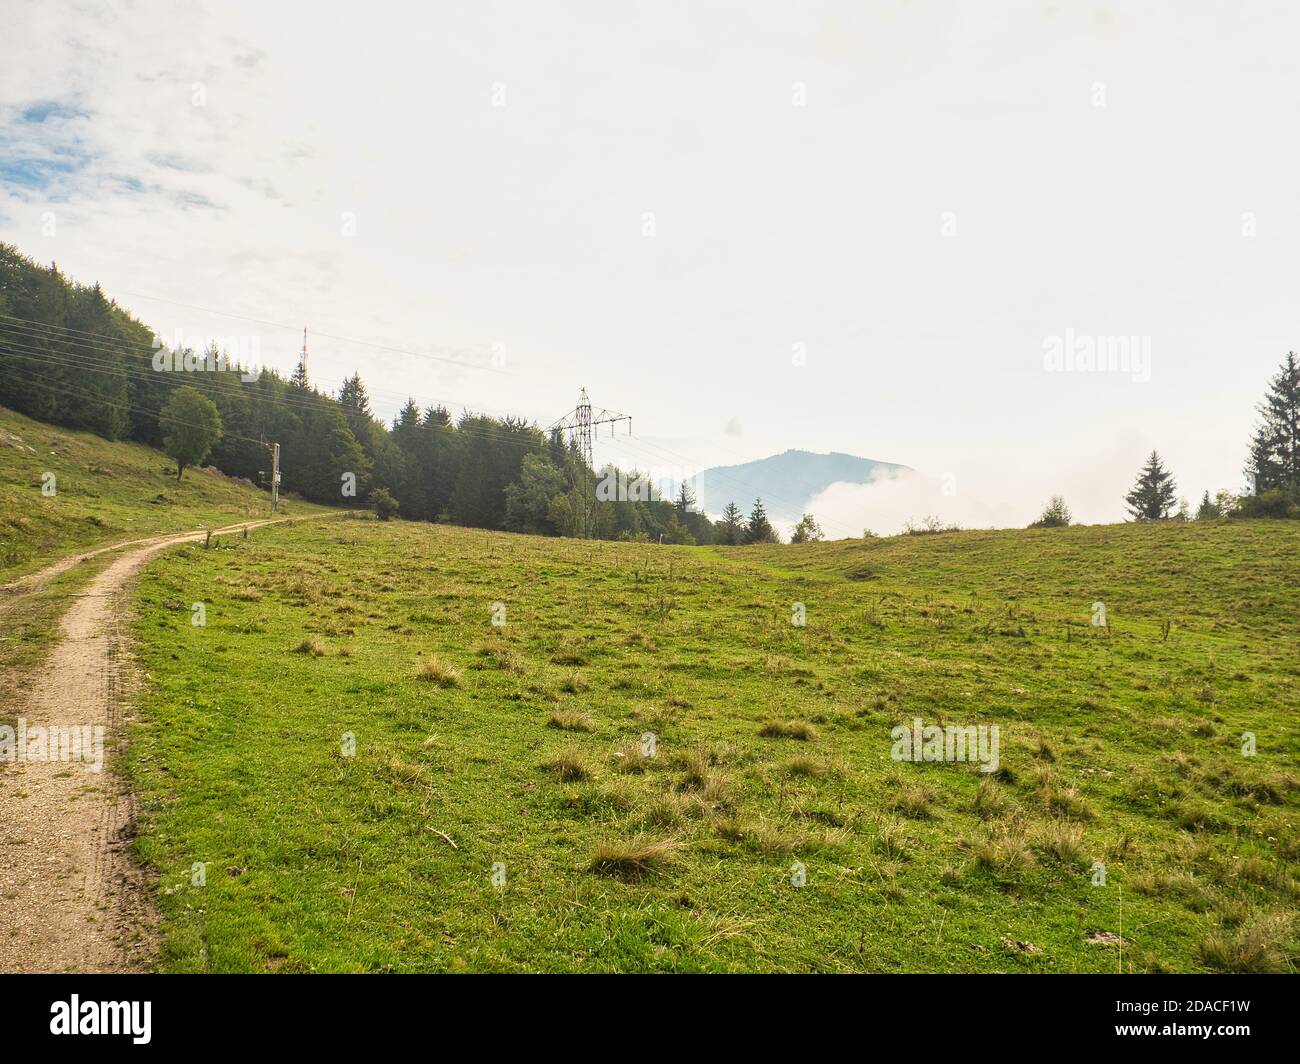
pixel 569 720
pixel 436 672
pixel 633 858
pixel 788 729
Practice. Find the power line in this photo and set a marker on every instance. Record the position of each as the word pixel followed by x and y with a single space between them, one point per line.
pixel 328 336
pixel 229 390
pixel 102 346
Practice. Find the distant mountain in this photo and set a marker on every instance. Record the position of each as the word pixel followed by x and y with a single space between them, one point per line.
pixel 786 483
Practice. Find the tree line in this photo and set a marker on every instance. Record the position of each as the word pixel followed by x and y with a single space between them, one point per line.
pixel 70 355
pixel 1272 469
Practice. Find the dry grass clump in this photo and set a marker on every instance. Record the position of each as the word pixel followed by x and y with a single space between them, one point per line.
pixel 892 840
pixel 1255 948
pixel 1193 816
pixel 505 658
pixel 1176 884
pixel 664 811
pixel 803 765
pixel 436 672
pixel 697 772
pixel 312 646
pixel 569 720
pixel 405 771
pixel 1006 851
pixel 913 802
pixel 633 858
pixel 569 766
pixel 1063 839
pixel 1061 800
pixel 788 729
pixel 990 803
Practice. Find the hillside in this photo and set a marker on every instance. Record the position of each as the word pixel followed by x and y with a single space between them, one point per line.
pixel 381 779
pixel 786 482
pixel 104 492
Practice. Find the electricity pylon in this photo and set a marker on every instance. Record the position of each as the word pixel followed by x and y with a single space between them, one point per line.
pixel 581 423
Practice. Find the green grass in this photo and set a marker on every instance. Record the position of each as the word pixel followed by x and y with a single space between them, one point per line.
pixel 29 623
pixel 105 492
pixel 520 749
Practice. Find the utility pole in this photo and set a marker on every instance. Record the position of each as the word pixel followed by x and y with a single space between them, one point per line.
pixel 274 448
pixel 275 477
pixel 580 424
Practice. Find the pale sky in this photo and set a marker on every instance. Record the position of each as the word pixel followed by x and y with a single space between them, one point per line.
pixel 921 195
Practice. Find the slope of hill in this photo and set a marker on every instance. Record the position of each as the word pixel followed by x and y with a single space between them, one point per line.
pixel 648 767
pixel 786 482
pixel 103 492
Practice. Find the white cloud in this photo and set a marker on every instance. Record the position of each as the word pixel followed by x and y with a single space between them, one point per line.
pixel 776 225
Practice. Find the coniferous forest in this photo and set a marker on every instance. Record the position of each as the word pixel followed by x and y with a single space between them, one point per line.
pixel 69 354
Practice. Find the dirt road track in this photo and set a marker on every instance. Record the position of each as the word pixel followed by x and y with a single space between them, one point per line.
pixel 71 899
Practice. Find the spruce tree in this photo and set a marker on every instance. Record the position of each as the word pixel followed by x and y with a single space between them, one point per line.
pixel 759 529
pixel 1152 497
pixel 730 530
pixel 1275 449
pixel 685 499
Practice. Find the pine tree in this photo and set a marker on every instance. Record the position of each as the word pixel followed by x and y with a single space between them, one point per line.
pixel 1275 449
pixel 685 499
pixel 1152 497
pixel 759 529
pixel 356 408
pixel 1208 508
pixel 731 529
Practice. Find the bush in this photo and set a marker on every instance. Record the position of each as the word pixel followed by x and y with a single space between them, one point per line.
pixel 1273 503
pixel 1055 515
pixel 384 505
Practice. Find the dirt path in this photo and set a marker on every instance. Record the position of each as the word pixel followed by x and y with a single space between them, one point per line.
pixel 71 898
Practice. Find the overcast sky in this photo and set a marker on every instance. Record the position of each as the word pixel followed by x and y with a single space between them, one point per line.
pixel 856 227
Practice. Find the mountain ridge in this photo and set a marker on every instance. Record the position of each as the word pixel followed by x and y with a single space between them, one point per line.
pixel 786 482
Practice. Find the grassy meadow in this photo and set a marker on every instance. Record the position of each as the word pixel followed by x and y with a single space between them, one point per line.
pixel 105 492
pixel 374 776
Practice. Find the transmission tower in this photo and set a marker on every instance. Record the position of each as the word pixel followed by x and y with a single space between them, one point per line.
pixel 581 424
pixel 300 374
